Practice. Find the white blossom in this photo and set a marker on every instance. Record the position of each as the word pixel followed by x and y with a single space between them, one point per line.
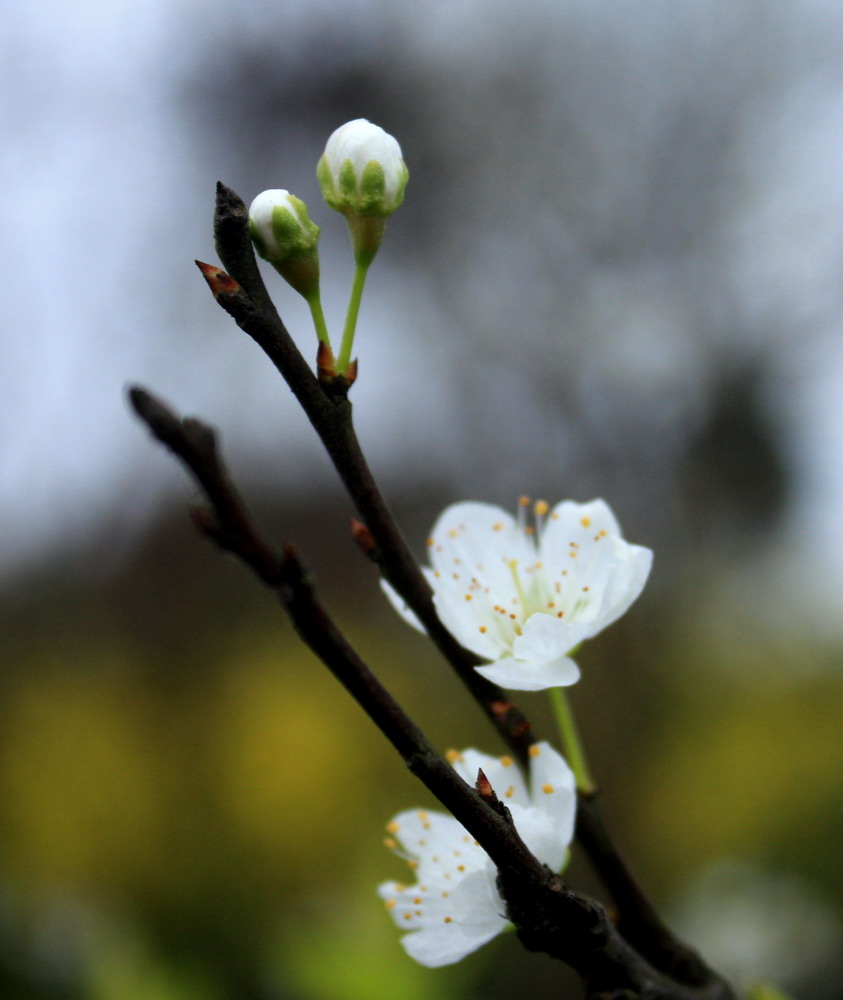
pixel 525 597
pixel 455 906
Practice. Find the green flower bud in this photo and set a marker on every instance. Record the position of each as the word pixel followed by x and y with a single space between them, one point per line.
pixel 283 234
pixel 362 175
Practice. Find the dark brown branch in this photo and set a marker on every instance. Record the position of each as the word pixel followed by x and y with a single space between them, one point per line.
pixel 330 412
pixel 548 915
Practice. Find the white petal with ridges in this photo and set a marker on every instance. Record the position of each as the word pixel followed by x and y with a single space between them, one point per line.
pixel 521 675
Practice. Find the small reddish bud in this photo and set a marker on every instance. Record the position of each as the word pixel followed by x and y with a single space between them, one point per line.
pixel 484 788
pixel 326 370
pixel 517 724
pixel 205 520
pixel 325 363
pixel 219 282
pixel 363 537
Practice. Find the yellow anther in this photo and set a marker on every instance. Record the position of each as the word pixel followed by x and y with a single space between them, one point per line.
pixel 448 920
pixel 523 501
pixel 483 628
pixel 392 827
pixel 547 789
pixel 390 904
pixel 506 761
pixel 417 901
pixel 585 522
pixel 534 750
pixel 408 916
pixel 541 508
pixel 460 868
pixel 390 843
pixel 509 792
pixel 497 526
pixel 452 756
pixel 468 597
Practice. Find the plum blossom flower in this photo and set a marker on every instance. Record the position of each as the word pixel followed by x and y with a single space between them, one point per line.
pixel 525 597
pixel 455 906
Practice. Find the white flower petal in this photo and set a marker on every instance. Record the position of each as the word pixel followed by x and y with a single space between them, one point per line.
pixel 627 581
pixel 455 907
pixel 401 606
pixel 553 793
pixel 545 638
pixel 521 675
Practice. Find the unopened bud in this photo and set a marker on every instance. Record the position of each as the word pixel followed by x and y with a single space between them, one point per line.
pixel 284 235
pixel 362 175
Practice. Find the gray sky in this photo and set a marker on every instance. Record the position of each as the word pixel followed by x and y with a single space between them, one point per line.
pixel 108 202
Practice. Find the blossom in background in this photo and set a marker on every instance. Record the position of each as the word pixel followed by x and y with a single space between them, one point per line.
pixel 525 597
pixel 455 906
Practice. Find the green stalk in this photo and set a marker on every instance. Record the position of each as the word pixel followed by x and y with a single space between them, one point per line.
pixel 571 741
pixel 361 269
pixel 315 303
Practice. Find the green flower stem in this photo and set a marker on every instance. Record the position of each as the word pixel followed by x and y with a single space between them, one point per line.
pixel 361 269
pixel 571 740
pixel 315 303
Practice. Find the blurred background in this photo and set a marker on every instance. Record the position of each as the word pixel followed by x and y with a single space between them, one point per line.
pixel 617 273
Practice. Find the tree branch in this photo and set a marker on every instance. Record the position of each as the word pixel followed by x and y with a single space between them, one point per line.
pixel 243 295
pixel 548 915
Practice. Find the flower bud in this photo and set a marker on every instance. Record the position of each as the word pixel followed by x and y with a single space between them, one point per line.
pixel 283 234
pixel 362 175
